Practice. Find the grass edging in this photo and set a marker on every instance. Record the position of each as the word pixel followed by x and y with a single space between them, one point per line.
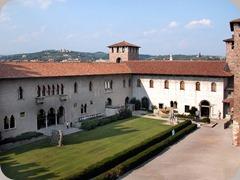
pixel 110 162
pixel 145 155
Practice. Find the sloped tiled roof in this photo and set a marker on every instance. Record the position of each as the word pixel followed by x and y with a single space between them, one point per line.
pixel 182 68
pixel 67 69
pixel 123 44
pixel 234 22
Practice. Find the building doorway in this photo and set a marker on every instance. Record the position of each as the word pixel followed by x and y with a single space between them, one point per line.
pixel 205 108
pixel 61 115
pixel 118 60
pixel 41 119
pixel 109 102
pixel 51 117
pixel 126 101
pixel 145 103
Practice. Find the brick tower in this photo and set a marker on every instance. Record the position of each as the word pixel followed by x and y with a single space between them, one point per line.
pixel 233 60
pixel 123 51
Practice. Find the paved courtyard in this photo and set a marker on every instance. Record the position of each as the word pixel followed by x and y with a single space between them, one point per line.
pixel 206 154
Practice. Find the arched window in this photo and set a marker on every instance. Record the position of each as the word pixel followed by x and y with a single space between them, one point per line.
pixel 43 91
pixel 213 87
pixel 6 123
pixel 58 89
pixel 12 122
pixel 166 84
pixel 90 86
pixel 105 85
pixel 109 102
pixel 138 83
pixel 85 108
pixel 171 104
pixel 49 91
pixel 151 84
pixel 53 90
pixel 82 109
pixel 75 87
pixel 38 91
pixel 124 83
pixel 111 84
pixel 62 89
pixel 175 105
pixel 197 86
pixel 20 93
pixel 129 82
pixel 182 85
pixel 118 60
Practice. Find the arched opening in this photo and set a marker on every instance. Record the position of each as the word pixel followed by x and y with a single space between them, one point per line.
pixel 6 123
pixel 62 89
pixel 197 86
pixel 41 119
pixel 75 87
pixel 43 91
pixel 171 104
pixel 138 83
pixel 166 84
pixel 151 84
pixel 213 87
pixel 145 103
pixel 205 108
pixel 118 60
pixel 51 117
pixel 175 105
pixel 38 91
pixel 109 102
pixel 90 86
pixel 49 91
pixel 20 93
pixel 126 100
pixel 12 122
pixel 61 115
pixel 182 85
pixel 53 89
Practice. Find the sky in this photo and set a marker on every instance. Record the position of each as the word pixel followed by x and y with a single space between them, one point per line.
pixel 158 26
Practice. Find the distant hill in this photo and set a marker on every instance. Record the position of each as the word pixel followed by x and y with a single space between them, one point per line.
pixel 60 55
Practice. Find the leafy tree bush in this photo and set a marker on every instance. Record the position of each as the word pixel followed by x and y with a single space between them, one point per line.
pixel 193 110
pixel 93 123
pixel 21 137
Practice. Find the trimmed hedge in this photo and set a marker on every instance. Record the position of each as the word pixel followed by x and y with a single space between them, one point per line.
pixel 143 156
pixel 93 123
pixel 110 162
pixel 21 137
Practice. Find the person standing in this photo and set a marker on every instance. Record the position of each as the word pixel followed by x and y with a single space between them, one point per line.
pixel 67 123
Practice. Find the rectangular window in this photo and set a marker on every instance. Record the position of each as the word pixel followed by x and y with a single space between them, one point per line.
pixel 22 114
pixel 187 108
pixel 160 106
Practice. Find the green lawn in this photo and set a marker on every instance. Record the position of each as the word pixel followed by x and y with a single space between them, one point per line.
pixel 40 160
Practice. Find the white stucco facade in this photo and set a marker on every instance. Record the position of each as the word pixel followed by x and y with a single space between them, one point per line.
pixel 187 97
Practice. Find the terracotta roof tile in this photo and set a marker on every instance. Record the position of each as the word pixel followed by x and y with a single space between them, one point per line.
pixel 54 69
pixel 234 22
pixel 66 69
pixel 185 68
pixel 123 44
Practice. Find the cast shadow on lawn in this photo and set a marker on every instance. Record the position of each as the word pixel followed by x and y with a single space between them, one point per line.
pixel 11 168
pixel 106 131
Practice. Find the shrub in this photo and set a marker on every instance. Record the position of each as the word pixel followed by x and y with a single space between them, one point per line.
pixel 21 137
pixel 136 102
pixel 143 156
pixel 93 123
pixel 116 159
pixel 185 116
pixel 205 120
pixel 193 110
